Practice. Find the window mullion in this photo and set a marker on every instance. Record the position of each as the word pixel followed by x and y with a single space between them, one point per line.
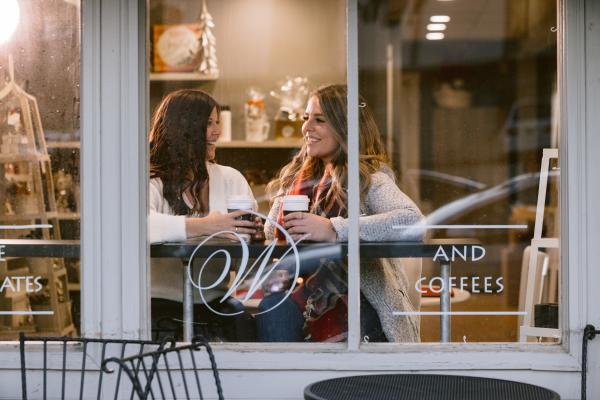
pixel 113 241
pixel 353 180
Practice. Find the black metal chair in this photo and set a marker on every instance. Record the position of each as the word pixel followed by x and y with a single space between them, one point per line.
pixel 80 373
pixel 164 373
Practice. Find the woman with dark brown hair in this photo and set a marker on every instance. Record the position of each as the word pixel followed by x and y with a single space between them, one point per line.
pixel 188 196
pixel 316 310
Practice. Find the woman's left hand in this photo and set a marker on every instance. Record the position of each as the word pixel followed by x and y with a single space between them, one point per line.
pixel 318 229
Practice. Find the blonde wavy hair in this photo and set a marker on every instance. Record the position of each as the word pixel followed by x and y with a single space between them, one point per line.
pixel 372 156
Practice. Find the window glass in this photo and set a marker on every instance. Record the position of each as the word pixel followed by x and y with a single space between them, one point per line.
pixel 459 169
pixel 464 94
pixel 231 89
pixel 39 168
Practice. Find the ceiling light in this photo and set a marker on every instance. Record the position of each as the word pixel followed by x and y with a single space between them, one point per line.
pixel 9 18
pixel 436 27
pixel 439 18
pixel 434 36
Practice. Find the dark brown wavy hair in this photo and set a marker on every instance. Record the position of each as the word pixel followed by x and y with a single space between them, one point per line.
pixel 372 156
pixel 178 146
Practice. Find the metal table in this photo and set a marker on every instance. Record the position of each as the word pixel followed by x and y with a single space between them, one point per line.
pixel 71 249
pixel 367 250
pixel 40 248
pixel 424 387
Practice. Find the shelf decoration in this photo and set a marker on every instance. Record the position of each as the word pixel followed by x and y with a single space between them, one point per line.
pixel 26 185
pixel 176 47
pixel 28 209
pixel 21 161
pixel 208 44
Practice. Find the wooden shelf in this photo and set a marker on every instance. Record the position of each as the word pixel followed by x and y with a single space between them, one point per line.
pixel 68 215
pixel 182 76
pixel 12 333
pixel 71 144
pixel 268 144
pixel 27 217
pixel 38 216
pixel 13 158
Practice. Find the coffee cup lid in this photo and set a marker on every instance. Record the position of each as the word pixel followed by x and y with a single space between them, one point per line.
pixel 240 201
pixel 300 198
pixel 296 203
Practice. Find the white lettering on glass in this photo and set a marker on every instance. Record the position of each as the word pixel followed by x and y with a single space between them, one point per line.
pixel 477 253
pixel 474 284
pixel 15 284
pixel 261 264
pixel 474 250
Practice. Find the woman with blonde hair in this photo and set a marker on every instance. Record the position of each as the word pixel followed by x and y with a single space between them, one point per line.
pixel 317 309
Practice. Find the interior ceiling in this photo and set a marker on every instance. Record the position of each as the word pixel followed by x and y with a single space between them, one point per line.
pixel 469 19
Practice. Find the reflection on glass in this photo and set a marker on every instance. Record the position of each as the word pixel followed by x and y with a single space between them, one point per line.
pixel 467 118
pixel 39 165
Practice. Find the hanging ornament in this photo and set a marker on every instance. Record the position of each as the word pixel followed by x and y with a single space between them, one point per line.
pixel 208 44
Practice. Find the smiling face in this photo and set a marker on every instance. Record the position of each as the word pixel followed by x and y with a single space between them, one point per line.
pixel 319 136
pixel 213 131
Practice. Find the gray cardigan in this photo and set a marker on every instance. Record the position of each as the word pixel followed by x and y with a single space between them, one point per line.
pixel 388 284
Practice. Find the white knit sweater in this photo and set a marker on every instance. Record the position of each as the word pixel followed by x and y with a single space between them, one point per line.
pixel 163 226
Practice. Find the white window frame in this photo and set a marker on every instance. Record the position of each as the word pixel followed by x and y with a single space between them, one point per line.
pixel 114 251
pixel 114 237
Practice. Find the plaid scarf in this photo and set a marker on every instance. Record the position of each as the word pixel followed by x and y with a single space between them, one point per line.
pixel 317 195
pixel 323 298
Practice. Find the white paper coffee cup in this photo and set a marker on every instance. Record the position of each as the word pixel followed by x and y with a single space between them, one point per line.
pixel 295 203
pixel 240 203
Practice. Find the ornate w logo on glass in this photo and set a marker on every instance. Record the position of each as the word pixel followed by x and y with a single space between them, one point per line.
pixel 262 267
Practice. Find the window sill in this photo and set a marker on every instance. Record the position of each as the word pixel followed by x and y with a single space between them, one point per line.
pixel 372 358
pixel 386 357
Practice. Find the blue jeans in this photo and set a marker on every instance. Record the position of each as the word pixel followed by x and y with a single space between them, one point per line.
pixel 282 324
pixel 166 321
pixel 285 322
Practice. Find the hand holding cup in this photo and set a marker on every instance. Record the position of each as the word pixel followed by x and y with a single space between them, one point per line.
pixel 244 223
pixel 300 223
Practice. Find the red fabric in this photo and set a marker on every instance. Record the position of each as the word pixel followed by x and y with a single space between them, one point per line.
pixel 323 297
pixel 324 304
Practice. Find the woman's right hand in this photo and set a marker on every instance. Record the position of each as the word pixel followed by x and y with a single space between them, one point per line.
pixel 216 222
